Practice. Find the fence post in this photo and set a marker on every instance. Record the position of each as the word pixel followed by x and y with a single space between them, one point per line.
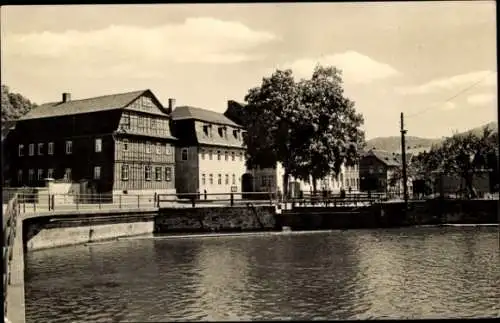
pixel 77 201
pixel 53 202
pixel 232 199
pixel 138 201
pixel 99 197
pixel 193 201
pixel 119 201
pixel 158 201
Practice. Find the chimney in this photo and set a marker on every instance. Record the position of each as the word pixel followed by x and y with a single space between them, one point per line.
pixel 66 97
pixel 171 104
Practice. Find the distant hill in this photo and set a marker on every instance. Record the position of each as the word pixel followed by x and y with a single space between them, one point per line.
pixel 417 144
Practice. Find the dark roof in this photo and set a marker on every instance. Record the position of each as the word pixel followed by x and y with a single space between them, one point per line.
pixel 388 158
pixel 101 103
pixel 186 112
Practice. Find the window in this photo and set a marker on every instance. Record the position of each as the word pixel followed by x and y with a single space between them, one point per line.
pixel 67 174
pixel 147 173
pixel 148 147
pixel 203 181
pixel 20 176
pixel 140 122
pixel 153 123
pixel 210 155
pixel 40 149
pixel 98 145
pixel 168 150
pixel 211 179
pixel 234 179
pixel 158 149
pixel 124 172
pixel 221 132
pixel 50 148
pixel 205 130
pixel 69 147
pixel 126 121
pixel 40 174
pixel 31 175
pixel 158 173
pixel 218 154
pixel 21 150
pixel 125 144
pixel 50 173
pixel 235 134
pixel 184 154
pixel 31 149
pixel 168 174
pixel 233 156
pixel 97 172
pixel 219 179
pixel 226 155
pixel 227 179
pixel 203 154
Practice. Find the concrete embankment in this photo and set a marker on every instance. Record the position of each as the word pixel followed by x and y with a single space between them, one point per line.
pixel 49 231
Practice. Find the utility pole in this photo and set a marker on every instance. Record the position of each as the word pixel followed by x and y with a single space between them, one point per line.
pixel 403 161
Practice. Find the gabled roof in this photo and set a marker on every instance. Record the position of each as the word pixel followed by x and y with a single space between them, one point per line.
pixel 96 104
pixel 186 113
pixel 388 158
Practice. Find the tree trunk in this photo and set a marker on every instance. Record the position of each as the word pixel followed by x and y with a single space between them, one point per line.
pixel 285 183
pixel 468 184
pixel 314 182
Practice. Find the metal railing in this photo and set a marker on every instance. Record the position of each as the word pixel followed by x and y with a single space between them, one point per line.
pixel 336 199
pixel 10 214
pixel 218 199
pixel 43 202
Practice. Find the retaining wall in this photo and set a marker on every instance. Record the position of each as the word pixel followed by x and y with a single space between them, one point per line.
pixel 210 219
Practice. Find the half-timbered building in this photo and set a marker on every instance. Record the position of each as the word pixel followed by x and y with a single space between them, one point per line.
pixel 118 143
pixel 210 156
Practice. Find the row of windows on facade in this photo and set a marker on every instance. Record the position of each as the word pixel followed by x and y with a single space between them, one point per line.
pixel 149 145
pixel 97 174
pixel 97 148
pixel 184 155
pixel 50 148
pixel 152 124
pixel 219 179
pixel 222 131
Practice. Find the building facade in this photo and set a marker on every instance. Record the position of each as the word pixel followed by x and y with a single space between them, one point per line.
pixel 210 157
pixel 376 169
pixel 110 144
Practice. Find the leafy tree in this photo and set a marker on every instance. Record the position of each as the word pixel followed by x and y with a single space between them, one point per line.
pixel 461 155
pixel 309 126
pixel 14 105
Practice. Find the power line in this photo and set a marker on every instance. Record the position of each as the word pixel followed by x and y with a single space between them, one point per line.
pixel 452 97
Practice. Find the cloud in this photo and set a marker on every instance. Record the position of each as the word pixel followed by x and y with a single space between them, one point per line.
pixel 356 67
pixel 487 78
pixel 481 98
pixel 197 40
pixel 447 106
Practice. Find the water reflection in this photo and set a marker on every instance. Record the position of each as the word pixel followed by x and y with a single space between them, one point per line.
pixel 411 273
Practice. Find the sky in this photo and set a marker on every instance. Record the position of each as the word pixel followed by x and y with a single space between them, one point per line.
pixel 433 61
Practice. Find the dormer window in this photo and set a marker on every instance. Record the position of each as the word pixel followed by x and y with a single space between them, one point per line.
pixel 235 134
pixel 221 132
pixel 205 130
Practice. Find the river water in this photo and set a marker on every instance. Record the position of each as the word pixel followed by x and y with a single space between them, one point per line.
pixel 355 274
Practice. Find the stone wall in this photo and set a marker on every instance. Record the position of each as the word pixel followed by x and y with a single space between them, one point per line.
pixel 210 219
